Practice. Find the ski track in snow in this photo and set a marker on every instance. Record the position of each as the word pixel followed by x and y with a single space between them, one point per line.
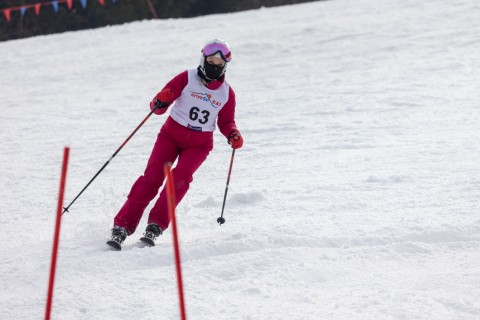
pixel 355 196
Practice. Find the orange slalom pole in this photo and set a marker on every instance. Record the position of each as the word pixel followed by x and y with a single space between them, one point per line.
pixel 56 237
pixel 171 202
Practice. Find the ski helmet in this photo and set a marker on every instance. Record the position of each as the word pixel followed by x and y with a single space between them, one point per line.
pixel 217 48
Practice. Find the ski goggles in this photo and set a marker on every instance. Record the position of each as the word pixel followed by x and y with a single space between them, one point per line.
pixel 212 48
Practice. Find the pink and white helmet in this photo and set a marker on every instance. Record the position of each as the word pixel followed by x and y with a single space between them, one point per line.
pixel 218 48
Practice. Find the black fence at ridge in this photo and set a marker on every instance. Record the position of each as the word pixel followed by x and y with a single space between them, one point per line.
pixel 27 18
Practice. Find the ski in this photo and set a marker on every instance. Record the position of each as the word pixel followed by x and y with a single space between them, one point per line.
pixel 119 234
pixel 151 233
pixel 148 241
pixel 115 244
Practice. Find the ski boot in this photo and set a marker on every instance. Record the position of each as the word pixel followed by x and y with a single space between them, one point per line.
pixel 151 233
pixel 119 234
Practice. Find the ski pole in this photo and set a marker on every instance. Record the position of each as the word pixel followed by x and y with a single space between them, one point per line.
pixel 157 106
pixel 221 219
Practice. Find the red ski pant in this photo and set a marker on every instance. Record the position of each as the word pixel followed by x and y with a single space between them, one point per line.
pixel 174 141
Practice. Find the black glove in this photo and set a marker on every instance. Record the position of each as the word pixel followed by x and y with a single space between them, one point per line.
pixel 160 105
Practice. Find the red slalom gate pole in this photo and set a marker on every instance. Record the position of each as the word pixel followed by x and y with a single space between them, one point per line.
pixel 56 237
pixel 152 9
pixel 171 210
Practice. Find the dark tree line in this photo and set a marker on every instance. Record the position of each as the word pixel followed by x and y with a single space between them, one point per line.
pixel 95 15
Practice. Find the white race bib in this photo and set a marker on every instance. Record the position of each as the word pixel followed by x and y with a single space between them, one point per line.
pixel 197 107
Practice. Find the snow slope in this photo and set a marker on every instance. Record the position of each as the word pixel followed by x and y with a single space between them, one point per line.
pixel 355 196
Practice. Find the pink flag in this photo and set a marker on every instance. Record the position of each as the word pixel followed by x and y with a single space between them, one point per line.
pixel 102 2
pixel 7 14
pixel 69 4
pixel 37 8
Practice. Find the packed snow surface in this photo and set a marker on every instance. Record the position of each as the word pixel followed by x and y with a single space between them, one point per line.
pixel 356 195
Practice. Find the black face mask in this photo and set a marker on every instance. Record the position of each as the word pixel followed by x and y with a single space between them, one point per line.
pixel 212 71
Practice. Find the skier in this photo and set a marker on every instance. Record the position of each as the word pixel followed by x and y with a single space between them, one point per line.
pixel 198 98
